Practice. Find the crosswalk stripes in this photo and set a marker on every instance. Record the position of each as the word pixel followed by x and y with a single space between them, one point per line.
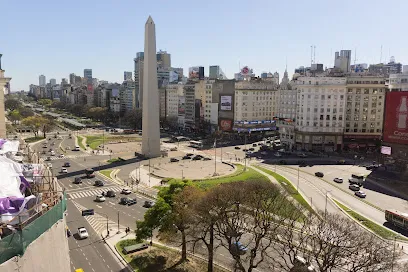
pixel 93 192
pixel 98 222
pixel 69 157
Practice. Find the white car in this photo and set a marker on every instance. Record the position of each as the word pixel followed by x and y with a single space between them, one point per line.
pixel 360 194
pixel 62 156
pixel 100 198
pixel 64 170
pixel 49 165
pixel 126 191
pixel 338 180
pixel 52 153
pixel 83 233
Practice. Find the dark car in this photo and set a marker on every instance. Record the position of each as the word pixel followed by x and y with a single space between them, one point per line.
pixel 110 193
pixel 99 183
pixel 124 200
pixel 148 204
pixel 356 181
pixel 186 157
pixel 196 158
pixel 67 164
pixel 245 150
pixel 319 174
pixel 254 145
pixel 239 248
pixel 207 159
pixel 132 202
pixel 251 149
pixel 77 180
pixel 302 163
pixel 237 147
pixel 189 154
pixel 174 160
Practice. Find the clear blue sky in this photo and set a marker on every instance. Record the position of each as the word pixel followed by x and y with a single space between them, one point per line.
pixel 56 38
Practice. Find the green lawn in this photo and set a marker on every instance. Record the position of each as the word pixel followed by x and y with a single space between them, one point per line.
pixel 377 229
pixel 95 141
pixel 81 145
pixel 115 160
pixel 290 189
pixel 124 243
pixel 106 173
pixel 33 139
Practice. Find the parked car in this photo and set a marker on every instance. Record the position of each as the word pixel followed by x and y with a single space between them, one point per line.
pixel 110 193
pixel 237 147
pixel 52 153
pixel 99 183
pixel 82 233
pixel 196 158
pixel 338 180
pixel 77 180
pixel 67 164
pixel 132 202
pixel 64 170
pixel 302 163
pixel 173 149
pixel 126 191
pixel 61 155
pixel 186 157
pixel 49 165
pixel 148 204
pixel 99 198
pixel 174 160
pixel 189 154
pixel 254 145
pixel 251 149
pixel 207 159
pixel 360 194
pixel 319 174
pixel 354 187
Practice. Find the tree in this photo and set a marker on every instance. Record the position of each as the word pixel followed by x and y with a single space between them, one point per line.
pixel 33 122
pixel 14 116
pixel 47 125
pixel 26 112
pixel 133 118
pixel 12 104
pixel 96 113
pixel 45 102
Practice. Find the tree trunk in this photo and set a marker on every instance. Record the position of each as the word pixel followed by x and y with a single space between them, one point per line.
pixel 183 246
pixel 44 136
pixel 211 250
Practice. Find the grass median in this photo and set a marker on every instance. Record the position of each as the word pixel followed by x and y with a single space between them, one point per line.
pixel 33 139
pixel 81 145
pixel 288 186
pixel 106 173
pixel 374 227
pixel 94 141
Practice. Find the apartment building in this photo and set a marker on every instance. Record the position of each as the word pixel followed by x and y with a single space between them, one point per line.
pixel 286 115
pixel 365 100
pixel 320 113
pixel 255 105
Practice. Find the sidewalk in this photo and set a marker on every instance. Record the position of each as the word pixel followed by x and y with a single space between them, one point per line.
pixel 113 238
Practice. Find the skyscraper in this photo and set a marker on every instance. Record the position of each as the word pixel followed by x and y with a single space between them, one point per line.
pixel 88 74
pixel 42 80
pixel 127 76
pixel 72 78
pixel 214 72
pixel 53 81
pixel 150 124
pixel 342 60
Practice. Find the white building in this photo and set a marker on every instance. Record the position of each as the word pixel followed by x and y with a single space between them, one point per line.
pixel 320 112
pixel 173 91
pixel 42 80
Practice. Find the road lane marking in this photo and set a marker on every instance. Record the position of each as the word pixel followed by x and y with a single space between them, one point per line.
pixel 112 203
pixel 100 207
pixel 70 185
pixel 103 260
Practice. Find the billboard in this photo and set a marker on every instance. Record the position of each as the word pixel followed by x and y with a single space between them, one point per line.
pixel 225 125
pixel 245 70
pixel 386 150
pixel 173 76
pixel 226 102
pixel 194 72
pixel 181 105
pixel 396 118
pixel 90 87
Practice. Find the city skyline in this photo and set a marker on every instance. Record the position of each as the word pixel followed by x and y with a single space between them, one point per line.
pixel 225 44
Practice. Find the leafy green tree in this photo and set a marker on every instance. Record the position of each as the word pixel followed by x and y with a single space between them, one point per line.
pixel 45 102
pixel 133 118
pixel 12 104
pixel 26 112
pixel 34 123
pixel 14 116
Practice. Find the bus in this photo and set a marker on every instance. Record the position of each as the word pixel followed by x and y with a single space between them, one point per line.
pixel 397 218
pixel 196 144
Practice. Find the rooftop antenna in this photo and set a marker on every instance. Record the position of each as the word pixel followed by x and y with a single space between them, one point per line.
pixel 355 55
pixel 314 54
pixel 381 55
pixel 286 65
pixel 311 55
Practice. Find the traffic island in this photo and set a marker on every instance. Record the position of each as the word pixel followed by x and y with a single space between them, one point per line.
pixel 160 258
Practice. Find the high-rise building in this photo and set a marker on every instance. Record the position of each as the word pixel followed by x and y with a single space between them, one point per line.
pixel 88 74
pixel 163 59
pixel 386 69
pixel 42 80
pixel 214 72
pixel 127 76
pixel 53 81
pixel 64 81
pixel 72 78
pixel 342 60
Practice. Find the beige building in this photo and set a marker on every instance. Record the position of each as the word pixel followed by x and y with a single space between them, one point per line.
pixel 3 82
pixel 255 105
pixel 365 100
pixel 203 91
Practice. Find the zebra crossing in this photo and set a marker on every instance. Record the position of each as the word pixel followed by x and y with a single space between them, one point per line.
pixel 94 192
pixel 98 222
pixel 54 158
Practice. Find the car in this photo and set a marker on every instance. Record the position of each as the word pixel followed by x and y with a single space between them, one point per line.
pixel 358 182
pixel 341 161
pixel 99 198
pixel 251 149
pixel 245 149
pixel 61 155
pixel 196 158
pixel 132 201
pixel 302 163
pixel 237 147
pixel 254 145
pixel 49 165
pixel 77 180
pixel 207 159
pixel 82 233
pixel 173 149
pixel 354 187
pixel 52 153
pixel 126 191
pixel 239 248
pixel 99 183
pixel 277 154
pixel 338 180
pixel 189 154
pixel 110 193
pixel 67 164
pixel 319 174
pixel 186 157
pixel 174 160
pixel 64 170
pixel 360 194
pixel 124 200
pixel 52 143
pixel 45 146
pixel 148 204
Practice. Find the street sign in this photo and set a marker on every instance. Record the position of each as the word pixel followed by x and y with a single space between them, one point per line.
pixel 87 212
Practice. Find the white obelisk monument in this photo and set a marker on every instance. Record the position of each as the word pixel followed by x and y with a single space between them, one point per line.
pixel 151 124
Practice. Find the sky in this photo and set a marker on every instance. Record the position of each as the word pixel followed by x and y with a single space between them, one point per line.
pixel 56 38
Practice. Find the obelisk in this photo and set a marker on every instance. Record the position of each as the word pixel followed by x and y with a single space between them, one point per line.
pixel 151 124
pixel 3 82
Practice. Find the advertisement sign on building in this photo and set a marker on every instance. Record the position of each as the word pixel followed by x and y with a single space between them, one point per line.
pixel 225 125
pixel 396 118
pixel 173 76
pixel 194 72
pixel 245 70
pixel 386 150
pixel 181 105
pixel 226 102
pixel 90 87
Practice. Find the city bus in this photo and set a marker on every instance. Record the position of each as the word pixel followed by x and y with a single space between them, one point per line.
pixel 196 144
pixel 397 218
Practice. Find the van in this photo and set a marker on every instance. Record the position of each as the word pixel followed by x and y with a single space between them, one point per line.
pixel 77 148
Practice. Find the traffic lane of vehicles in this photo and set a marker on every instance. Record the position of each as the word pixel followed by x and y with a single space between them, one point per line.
pixel 379 199
pixel 347 197
pixel 90 254
pixel 314 194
